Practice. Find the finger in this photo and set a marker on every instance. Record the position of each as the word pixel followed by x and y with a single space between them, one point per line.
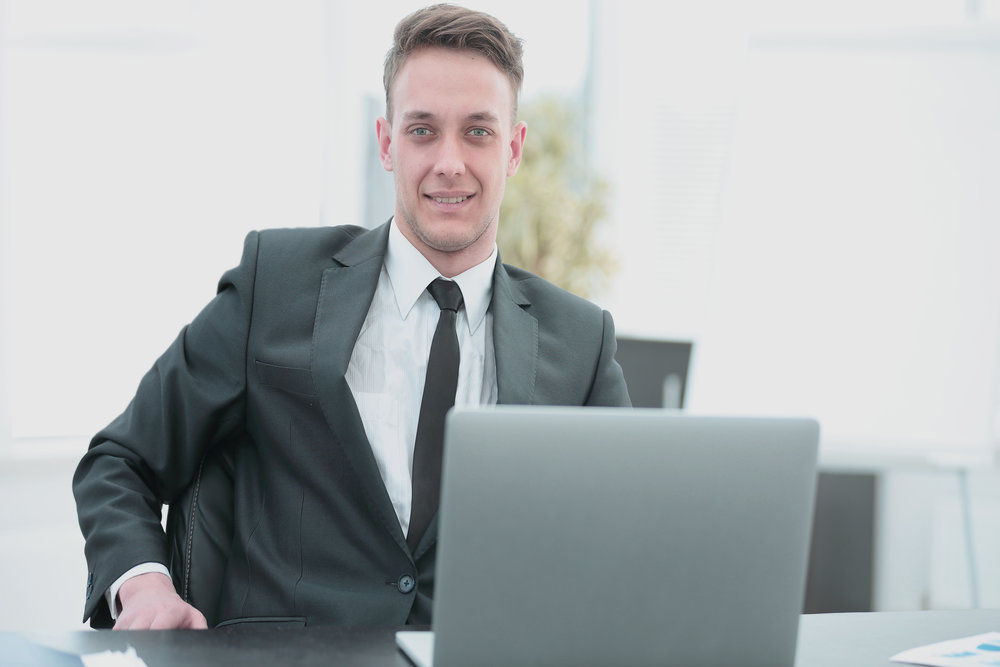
pixel 197 620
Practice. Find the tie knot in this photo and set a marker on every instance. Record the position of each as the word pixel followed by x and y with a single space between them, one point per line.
pixel 447 293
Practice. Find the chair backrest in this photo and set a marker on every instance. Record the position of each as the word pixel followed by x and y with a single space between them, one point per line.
pixel 656 371
pixel 200 529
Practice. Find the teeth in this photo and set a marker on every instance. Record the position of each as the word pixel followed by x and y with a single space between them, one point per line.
pixel 449 200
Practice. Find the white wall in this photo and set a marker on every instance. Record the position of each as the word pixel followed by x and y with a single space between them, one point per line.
pixel 42 553
pixel 810 201
pixel 141 141
pixel 856 266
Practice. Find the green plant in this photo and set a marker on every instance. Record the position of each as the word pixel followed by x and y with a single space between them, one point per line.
pixel 554 206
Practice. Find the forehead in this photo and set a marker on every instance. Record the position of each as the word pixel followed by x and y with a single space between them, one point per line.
pixel 445 82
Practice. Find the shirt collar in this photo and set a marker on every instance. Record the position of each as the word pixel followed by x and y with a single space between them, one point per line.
pixel 410 273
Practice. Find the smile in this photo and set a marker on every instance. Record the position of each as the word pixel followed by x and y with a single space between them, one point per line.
pixel 449 200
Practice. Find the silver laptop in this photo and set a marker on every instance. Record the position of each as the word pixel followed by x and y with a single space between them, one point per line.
pixel 602 536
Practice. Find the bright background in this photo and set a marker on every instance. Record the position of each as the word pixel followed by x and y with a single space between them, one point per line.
pixel 805 189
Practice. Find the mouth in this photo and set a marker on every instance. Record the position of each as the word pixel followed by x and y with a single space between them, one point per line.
pixel 449 200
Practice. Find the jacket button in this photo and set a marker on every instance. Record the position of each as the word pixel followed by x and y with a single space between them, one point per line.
pixel 406 583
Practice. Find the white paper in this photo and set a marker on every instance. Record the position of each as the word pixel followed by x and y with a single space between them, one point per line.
pixel 127 658
pixel 976 651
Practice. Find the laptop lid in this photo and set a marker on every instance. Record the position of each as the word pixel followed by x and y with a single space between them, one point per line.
pixel 572 536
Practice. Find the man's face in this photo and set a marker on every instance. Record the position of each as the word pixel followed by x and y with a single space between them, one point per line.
pixel 451 145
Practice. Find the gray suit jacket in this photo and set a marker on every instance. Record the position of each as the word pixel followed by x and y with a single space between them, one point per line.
pixel 261 370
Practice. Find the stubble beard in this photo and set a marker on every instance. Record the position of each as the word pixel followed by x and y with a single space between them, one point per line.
pixel 444 242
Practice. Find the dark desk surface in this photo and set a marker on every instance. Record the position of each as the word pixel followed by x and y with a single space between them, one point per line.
pixel 825 640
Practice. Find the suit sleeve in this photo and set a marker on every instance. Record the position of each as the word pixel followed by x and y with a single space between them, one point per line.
pixel 193 395
pixel 609 387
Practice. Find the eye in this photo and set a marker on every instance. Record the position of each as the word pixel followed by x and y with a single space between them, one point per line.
pixel 479 132
pixel 421 132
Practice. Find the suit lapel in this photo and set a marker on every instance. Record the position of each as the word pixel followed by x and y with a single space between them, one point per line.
pixel 515 340
pixel 346 293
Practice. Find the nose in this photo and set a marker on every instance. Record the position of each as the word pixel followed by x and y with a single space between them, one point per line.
pixel 450 159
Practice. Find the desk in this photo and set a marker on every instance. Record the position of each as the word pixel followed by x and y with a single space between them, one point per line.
pixel 825 640
pixel 870 639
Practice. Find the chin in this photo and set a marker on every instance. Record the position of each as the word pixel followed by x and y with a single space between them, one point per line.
pixel 451 236
pixel 449 243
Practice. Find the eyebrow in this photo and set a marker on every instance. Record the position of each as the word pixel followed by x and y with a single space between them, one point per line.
pixel 484 117
pixel 417 115
pixel 476 116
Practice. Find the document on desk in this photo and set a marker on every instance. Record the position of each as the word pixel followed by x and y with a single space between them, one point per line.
pixel 126 658
pixel 976 651
pixel 15 650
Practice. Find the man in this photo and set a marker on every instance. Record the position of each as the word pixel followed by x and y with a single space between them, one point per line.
pixel 310 363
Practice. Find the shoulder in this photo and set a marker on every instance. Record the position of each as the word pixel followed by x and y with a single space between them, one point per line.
pixel 303 247
pixel 546 298
pixel 574 340
pixel 322 240
pixel 280 254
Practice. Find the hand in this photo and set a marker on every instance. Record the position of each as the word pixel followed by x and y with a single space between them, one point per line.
pixel 149 602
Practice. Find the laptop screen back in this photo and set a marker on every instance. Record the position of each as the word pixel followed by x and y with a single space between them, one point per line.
pixel 574 536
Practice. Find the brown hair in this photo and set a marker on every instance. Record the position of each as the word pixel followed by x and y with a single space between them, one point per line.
pixel 452 27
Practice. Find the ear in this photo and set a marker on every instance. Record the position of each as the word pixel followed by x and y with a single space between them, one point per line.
pixel 383 131
pixel 516 147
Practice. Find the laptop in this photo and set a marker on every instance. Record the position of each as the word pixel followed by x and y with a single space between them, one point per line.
pixel 606 536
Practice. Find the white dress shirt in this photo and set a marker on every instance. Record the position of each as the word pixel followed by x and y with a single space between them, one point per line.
pixel 389 362
pixel 387 368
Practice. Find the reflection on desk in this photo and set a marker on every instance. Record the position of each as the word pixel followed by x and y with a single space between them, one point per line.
pixel 825 640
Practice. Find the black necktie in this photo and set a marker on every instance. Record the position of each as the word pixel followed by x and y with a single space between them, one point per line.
pixel 439 395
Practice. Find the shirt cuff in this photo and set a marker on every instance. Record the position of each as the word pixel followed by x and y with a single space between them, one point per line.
pixel 111 595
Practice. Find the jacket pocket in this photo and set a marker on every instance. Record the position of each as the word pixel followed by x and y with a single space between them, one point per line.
pixel 293 380
pixel 265 621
